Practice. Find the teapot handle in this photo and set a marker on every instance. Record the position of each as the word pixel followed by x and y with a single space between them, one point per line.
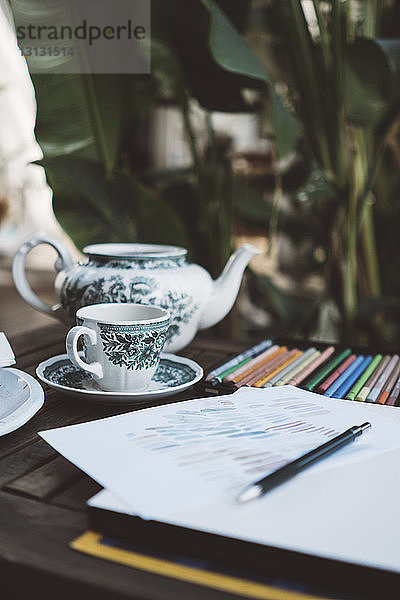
pixel 63 262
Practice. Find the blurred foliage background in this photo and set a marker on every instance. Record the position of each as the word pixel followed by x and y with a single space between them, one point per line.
pixel 322 79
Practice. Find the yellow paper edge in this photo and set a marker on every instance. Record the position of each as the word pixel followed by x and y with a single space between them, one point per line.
pixel 89 542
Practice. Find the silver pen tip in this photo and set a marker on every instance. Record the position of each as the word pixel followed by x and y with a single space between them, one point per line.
pixel 365 426
pixel 250 493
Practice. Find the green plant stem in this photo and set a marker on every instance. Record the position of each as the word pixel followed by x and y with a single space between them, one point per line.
pixel 369 247
pixel 372 17
pixel 94 112
pixel 304 70
pixel 385 133
pixel 358 172
pixel 98 126
pixel 324 37
pixel 305 45
pixel 365 228
pixel 273 222
pixel 340 18
pixel 190 135
pixel 221 196
pixel 350 277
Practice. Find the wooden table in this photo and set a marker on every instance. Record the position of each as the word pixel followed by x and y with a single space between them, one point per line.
pixel 43 496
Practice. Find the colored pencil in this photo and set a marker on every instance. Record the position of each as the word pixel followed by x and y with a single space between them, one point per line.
pixel 345 375
pixel 325 371
pixel 342 378
pixel 362 396
pixel 297 379
pixel 352 378
pixel 290 371
pixel 290 359
pixel 250 362
pixel 379 385
pixel 364 378
pixel 341 369
pixel 250 353
pixel 384 395
pixel 394 394
pixel 266 368
pixel 259 366
pixel 225 373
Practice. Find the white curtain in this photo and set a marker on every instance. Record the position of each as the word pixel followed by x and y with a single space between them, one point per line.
pixel 22 184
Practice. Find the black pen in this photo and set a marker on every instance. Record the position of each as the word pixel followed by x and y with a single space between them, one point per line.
pixel 264 485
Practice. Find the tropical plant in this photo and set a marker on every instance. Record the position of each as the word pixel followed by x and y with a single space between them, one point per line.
pixel 344 86
pixel 339 109
pixel 89 127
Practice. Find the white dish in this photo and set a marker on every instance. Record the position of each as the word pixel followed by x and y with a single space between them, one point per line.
pixel 7 357
pixel 21 396
pixel 174 374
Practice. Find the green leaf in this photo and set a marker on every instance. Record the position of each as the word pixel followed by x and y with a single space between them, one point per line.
pixel 287 128
pixel 232 53
pixel 82 114
pixel 287 308
pixel 372 78
pixel 182 26
pixel 92 209
pixel 229 48
pixel 216 62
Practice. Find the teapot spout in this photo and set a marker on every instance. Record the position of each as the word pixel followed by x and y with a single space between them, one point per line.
pixel 225 289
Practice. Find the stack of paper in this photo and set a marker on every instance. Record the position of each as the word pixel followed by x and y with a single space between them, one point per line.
pixel 184 463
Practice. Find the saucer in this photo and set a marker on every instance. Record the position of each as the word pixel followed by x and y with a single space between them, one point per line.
pixel 21 397
pixel 174 374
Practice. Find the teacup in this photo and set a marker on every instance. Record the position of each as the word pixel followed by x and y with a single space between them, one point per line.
pixel 122 344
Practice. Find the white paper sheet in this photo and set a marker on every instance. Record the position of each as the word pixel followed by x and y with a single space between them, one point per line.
pixel 348 513
pixel 166 460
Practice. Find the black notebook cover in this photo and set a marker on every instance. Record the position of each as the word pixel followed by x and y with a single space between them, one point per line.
pixel 329 576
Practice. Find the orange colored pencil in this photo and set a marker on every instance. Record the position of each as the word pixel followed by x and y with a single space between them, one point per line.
pixel 252 363
pixel 384 395
pixel 260 364
pixel 296 354
pixel 269 367
pixel 265 368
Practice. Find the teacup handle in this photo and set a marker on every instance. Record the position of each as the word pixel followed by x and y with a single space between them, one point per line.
pixel 72 350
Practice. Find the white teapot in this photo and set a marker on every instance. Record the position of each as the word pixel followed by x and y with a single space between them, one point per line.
pixel 140 273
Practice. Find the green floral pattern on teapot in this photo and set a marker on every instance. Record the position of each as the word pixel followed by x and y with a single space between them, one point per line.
pixel 138 273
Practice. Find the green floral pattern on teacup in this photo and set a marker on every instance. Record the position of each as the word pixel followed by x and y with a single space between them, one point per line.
pixel 133 349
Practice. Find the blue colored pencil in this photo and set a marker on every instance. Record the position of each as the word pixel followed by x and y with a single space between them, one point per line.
pixel 250 353
pixel 351 379
pixel 336 384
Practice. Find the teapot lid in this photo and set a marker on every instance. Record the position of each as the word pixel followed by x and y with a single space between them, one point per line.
pixel 134 251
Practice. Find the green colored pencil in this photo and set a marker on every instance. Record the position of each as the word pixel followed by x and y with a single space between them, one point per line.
pixel 229 371
pixel 325 371
pixel 359 384
pixel 364 393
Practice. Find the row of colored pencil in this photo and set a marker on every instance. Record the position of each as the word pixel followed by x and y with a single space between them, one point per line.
pixel 334 373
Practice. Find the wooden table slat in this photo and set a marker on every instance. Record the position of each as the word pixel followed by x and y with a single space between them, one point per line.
pixel 29 362
pixel 47 480
pixel 32 341
pixel 21 462
pixel 57 411
pixel 43 497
